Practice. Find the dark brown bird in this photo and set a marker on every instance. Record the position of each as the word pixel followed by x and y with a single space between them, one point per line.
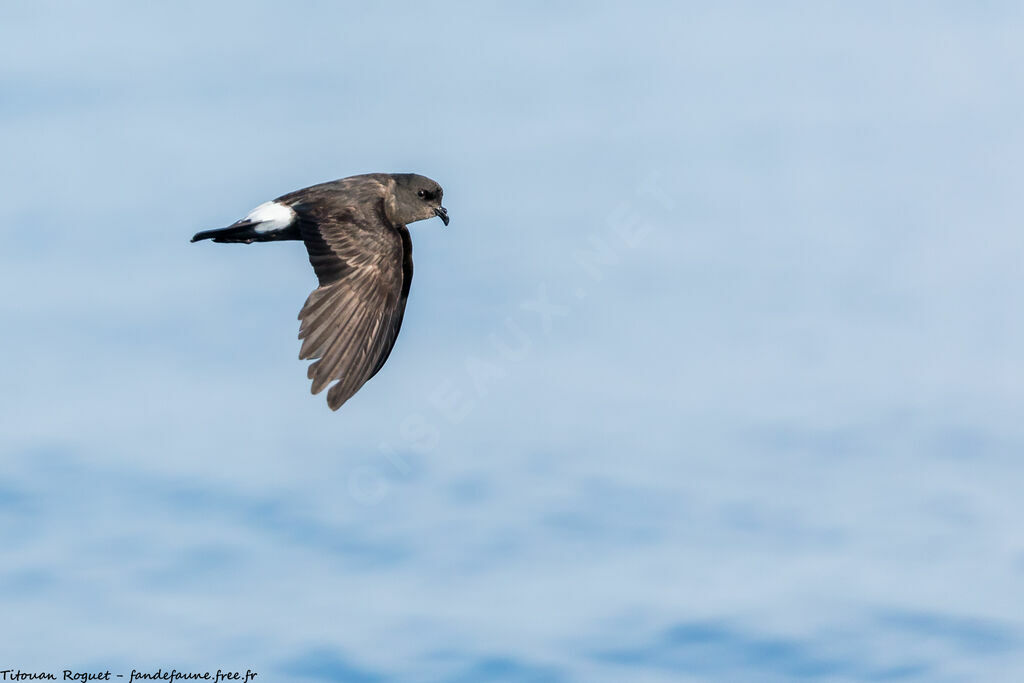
pixel 355 232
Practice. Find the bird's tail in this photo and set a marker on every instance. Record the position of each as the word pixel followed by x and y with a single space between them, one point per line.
pixel 246 232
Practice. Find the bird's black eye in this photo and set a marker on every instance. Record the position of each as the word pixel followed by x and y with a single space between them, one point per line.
pixel 422 194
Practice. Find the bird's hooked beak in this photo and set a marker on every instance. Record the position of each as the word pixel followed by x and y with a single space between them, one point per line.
pixel 442 213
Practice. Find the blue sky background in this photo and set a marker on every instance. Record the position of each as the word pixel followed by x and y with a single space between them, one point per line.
pixel 715 375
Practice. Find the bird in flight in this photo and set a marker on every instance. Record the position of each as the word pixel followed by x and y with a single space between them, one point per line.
pixel 359 246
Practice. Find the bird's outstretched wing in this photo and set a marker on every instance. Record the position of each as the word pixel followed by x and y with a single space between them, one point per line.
pixel 364 265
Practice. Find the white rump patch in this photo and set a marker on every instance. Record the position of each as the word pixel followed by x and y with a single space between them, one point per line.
pixel 271 216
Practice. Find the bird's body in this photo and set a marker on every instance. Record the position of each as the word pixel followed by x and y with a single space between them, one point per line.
pixel 359 246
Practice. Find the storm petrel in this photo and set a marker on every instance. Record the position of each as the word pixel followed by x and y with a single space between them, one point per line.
pixel 355 232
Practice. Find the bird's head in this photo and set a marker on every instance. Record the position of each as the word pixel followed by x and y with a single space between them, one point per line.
pixel 416 198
